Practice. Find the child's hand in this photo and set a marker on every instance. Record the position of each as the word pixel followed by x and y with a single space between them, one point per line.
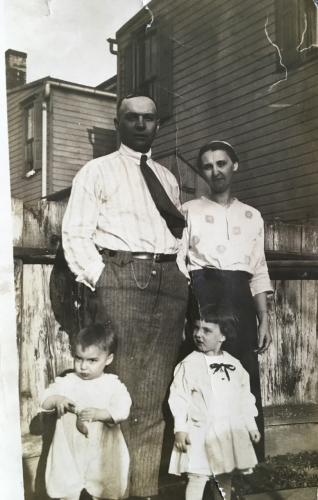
pixel 181 440
pixel 89 415
pixel 255 435
pixel 81 427
pixel 63 404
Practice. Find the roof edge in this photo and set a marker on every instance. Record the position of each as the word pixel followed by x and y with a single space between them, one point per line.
pixel 143 12
pixel 71 86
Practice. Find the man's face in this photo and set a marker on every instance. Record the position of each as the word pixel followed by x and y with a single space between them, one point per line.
pixel 218 168
pixel 89 363
pixel 137 123
pixel 207 336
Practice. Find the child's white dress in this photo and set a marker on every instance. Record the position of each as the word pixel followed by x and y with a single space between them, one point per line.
pixel 216 412
pixel 100 462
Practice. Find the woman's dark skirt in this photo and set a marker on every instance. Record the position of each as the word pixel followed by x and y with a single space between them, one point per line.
pixel 230 291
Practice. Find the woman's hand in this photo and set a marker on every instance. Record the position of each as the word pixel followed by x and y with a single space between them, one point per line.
pixel 264 337
pixel 181 441
pixel 255 435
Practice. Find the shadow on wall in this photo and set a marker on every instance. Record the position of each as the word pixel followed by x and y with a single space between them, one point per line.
pixel 104 141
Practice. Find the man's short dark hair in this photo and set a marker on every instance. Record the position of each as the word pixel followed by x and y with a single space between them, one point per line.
pixel 101 335
pixel 214 146
pixel 135 94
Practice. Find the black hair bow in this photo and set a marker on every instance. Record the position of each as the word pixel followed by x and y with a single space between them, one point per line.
pixel 224 368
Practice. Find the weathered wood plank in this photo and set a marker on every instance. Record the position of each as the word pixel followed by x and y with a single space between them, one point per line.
pixel 269 236
pixel 291 414
pixel 18 283
pixel 268 360
pixel 17 221
pixel 45 350
pixel 43 229
pixel 289 341
pixel 287 237
pixel 307 355
pixel 310 238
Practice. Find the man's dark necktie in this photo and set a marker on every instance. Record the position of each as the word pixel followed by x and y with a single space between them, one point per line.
pixel 168 211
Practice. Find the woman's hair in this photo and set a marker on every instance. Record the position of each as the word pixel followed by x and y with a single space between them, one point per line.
pixel 219 316
pixel 214 146
pixel 101 335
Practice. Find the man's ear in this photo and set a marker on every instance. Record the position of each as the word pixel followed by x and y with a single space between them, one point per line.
pixel 109 359
pixel 158 125
pixel 235 166
pixel 116 123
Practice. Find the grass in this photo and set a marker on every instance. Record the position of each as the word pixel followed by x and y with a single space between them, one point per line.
pixel 282 472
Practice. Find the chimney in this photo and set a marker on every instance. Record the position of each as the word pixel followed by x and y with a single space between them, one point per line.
pixel 15 68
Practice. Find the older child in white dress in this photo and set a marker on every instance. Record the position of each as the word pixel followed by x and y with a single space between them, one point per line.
pixel 213 411
pixel 88 449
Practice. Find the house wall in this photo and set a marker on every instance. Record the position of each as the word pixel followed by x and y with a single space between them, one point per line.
pixel 82 128
pixel 223 70
pixel 27 189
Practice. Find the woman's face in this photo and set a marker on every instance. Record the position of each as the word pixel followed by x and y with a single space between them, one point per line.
pixel 218 168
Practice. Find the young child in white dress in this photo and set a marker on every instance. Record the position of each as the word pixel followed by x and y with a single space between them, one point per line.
pixel 213 411
pixel 88 449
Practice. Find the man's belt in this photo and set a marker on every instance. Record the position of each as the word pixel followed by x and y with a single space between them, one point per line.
pixel 157 257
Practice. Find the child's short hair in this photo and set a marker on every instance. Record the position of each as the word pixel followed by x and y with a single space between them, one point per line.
pixel 101 335
pixel 222 317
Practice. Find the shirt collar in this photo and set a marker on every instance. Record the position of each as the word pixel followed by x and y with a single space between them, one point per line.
pixel 235 200
pixel 133 155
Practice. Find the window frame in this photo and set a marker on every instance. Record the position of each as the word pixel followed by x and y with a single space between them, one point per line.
pixel 293 54
pixel 28 164
pixel 35 164
pixel 135 79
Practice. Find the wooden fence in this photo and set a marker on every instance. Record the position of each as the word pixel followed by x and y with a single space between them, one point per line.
pixel 49 310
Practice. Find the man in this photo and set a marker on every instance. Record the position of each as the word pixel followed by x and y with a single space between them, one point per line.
pixel 121 235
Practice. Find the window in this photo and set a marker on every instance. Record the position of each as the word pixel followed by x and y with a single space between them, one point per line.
pixel 148 64
pixel 29 138
pixel 297 30
pixel 32 134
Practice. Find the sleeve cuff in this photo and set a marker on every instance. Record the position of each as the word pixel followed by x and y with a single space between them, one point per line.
pixel 250 423
pixel 41 410
pixel 183 268
pixel 91 276
pixel 180 424
pixel 118 416
pixel 261 288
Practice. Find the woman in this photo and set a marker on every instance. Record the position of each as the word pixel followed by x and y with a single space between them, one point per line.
pixel 224 248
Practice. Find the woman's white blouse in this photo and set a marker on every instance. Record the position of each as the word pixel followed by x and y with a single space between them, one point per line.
pixel 228 238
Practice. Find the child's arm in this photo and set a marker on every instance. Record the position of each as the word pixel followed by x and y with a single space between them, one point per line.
pixel 249 408
pixel 118 407
pixel 179 399
pixel 179 403
pixel 60 403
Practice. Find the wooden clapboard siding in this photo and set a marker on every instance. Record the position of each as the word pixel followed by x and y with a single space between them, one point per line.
pixel 223 68
pixel 74 115
pixel 30 189
pixel 71 116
